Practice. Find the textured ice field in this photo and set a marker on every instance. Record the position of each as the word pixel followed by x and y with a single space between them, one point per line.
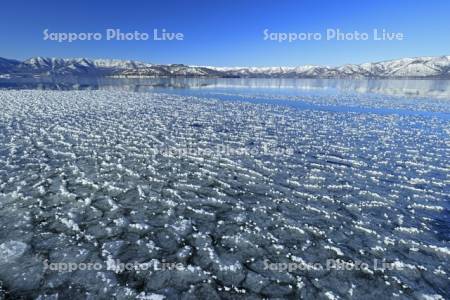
pixel 81 182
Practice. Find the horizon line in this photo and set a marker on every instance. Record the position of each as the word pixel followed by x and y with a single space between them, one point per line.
pixel 235 67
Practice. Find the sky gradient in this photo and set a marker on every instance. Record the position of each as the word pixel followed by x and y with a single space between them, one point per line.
pixel 227 33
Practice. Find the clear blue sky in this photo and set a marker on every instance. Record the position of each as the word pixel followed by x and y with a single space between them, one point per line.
pixel 227 32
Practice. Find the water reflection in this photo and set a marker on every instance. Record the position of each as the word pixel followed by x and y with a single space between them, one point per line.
pixel 405 88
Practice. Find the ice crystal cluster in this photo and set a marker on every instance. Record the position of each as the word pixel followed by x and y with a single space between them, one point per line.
pixel 80 182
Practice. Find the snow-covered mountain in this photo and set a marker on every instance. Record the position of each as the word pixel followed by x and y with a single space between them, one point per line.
pixel 6 65
pixel 420 67
pixel 172 70
pixel 102 67
pixel 75 66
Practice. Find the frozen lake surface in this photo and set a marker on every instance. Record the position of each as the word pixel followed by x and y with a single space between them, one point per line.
pixel 243 191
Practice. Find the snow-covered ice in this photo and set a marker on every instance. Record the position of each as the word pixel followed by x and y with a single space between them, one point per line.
pixel 81 182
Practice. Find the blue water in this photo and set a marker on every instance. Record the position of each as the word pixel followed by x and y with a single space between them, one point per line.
pixel 299 104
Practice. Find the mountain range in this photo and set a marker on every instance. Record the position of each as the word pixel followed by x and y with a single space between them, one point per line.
pixel 419 67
